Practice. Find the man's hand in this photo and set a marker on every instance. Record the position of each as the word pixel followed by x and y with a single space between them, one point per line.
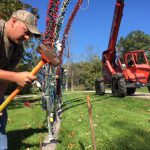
pixel 23 78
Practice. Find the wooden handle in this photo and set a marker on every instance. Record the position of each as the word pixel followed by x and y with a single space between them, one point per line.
pixel 38 67
pixel 19 88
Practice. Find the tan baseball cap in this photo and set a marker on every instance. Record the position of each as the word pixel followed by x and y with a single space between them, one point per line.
pixel 29 19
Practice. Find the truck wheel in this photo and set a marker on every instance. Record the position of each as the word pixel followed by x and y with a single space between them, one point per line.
pixel 99 87
pixel 131 91
pixel 119 87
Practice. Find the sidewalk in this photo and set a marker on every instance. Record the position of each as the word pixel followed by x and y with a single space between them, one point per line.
pixel 45 145
pixel 52 145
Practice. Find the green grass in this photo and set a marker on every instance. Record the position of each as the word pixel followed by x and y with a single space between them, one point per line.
pixel 119 123
pixel 142 89
pixel 26 126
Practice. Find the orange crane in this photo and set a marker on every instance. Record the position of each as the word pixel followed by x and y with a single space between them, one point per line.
pixel 124 74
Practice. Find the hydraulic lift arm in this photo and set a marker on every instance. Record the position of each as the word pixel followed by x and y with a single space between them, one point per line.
pixel 118 12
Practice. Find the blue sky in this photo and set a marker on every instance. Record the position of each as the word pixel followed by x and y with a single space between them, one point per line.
pixel 91 27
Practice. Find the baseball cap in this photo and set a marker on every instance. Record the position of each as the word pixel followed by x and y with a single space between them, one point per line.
pixel 29 19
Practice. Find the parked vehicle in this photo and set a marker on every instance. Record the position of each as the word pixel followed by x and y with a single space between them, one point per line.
pixel 123 74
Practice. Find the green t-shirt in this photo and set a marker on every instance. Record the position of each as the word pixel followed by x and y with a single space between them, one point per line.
pixel 10 54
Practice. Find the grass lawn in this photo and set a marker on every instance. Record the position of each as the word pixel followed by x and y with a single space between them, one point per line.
pixel 142 89
pixel 119 123
pixel 26 126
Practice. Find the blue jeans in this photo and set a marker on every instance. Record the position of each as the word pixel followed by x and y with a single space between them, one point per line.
pixel 3 122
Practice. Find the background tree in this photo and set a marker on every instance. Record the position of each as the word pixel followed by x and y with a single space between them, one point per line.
pixel 7 7
pixel 84 73
pixel 135 40
pixel 93 71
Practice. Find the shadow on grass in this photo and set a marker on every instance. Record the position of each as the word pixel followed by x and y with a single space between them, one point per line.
pixel 19 103
pixel 81 101
pixel 18 136
pixel 135 138
pixel 81 145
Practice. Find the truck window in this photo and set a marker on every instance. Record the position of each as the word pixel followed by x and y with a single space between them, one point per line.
pixel 141 59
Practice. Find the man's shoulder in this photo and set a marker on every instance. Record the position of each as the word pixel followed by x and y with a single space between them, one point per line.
pixel 2 23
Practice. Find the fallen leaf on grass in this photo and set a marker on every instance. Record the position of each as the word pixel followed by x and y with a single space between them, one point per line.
pixel 28 104
pixel 81 115
pixel 9 120
pixel 17 104
pixel 28 126
pixel 41 126
pixel 72 134
pixel 87 147
pixel 79 120
pixel 88 133
pixel 71 145
pixel 61 130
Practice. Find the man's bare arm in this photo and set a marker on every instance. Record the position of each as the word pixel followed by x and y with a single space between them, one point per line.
pixel 21 78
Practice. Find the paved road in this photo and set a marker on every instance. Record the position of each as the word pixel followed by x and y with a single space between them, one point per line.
pixel 136 94
pixel 141 95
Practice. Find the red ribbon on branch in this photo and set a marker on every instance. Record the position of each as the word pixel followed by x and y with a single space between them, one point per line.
pixel 51 20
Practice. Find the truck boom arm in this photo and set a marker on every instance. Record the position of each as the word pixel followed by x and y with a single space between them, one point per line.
pixel 114 29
